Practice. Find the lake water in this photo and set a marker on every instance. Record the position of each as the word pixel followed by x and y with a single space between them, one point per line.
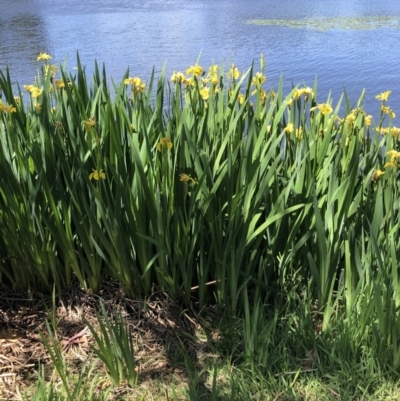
pixel 346 43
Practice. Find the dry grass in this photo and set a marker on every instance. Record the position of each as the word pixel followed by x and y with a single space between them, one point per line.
pixel 163 334
pixel 176 350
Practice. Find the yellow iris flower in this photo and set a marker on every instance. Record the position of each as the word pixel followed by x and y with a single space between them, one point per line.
pixel 43 56
pixel 213 74
pixel 187 178
pixel 96 175
pixel 60 83
pixel 89 124
pixel 299 133
pixel 350 119
pixel 7 109
pixel 376 175
pixel 196 70
pixel 53 69
pixel 138 86
pixel 289 128
pixel 178 77
pixel 383 96
pixel 395 131
pixel 240 98
pixel 33 90
pixel 387 110
pixel 394 158
pixel 303 92
pixel 324 108
pixel 258 79
pixel 205 93
pixel 164 142
pixel 233 72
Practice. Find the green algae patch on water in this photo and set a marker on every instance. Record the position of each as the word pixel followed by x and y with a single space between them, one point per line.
pixel 324 24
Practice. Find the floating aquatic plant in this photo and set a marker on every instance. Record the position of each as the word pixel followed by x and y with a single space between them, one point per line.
pixel 324 24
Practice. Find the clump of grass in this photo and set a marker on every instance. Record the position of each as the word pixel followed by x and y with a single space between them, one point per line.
pixel 210 178
pixel 291 358
pixel 114 347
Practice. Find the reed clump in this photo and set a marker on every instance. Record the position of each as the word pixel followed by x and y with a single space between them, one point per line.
pixel 205 184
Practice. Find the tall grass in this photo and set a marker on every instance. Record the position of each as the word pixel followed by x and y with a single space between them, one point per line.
pixel 210 178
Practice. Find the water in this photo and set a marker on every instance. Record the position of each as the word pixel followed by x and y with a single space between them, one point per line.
pixel 140 35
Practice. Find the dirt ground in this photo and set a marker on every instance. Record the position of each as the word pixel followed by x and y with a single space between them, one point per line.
pixel 160 328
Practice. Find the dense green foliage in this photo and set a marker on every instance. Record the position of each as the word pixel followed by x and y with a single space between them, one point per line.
pixel 203 190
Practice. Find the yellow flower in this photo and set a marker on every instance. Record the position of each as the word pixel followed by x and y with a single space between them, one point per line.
pixel 205 93
pixel 88 124
pixel 258 79
pixel 297 94
pixel 164 142
pixel 233 72
pixel 394 157
pixel 187 178
pixel 383 96
pixel 386 130
pixel 324 108
pixel 299 133
pixel 213 74
pixel 357 111
pixel 33 90
pixel 43 56
pixel 138 86
pixel 38 107
pixel 289 128
pixel 7 109
pixel 393 154
pixel 350 119
pixel 289 103
pixel 17 99
pixel 60 83
pixel 308 91
pixel 303 92
pixel 263 96
pixel 28 87
pixel 368 120
pixel 214 79
pixel 213 69
pixel 388 110
pixel 96 175
pixel 188 82
pixel 196 70
pixel 52 69
pixel 376 175
pixel 177 77
pixel 240 98
pixel 395 132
